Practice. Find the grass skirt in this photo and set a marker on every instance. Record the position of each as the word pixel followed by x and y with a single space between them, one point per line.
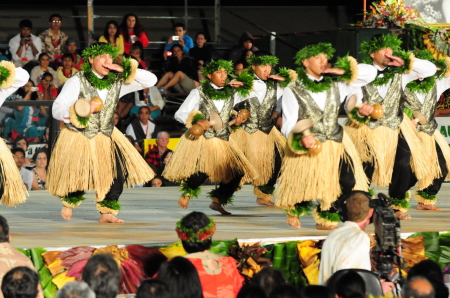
pixel 220 160
pixel 259 147
pixel 308 177
pixel 14 190
pixel 79 163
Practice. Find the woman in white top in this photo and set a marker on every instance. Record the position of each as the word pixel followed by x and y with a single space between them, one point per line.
pixel 38 71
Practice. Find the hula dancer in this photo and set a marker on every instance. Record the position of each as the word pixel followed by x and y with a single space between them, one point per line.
pixel 421 98
pixel 90 152
pixel 205 151
pixel 389 146
pixel 258 137
pixel 12 189
pixel 308 173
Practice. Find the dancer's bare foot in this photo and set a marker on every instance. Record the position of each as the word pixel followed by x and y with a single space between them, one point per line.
pixel 183 202
pixel 109 218
pixel 217 207
pixel 66 213
pixel 422 206
pixel 260 201
pixel 402 216
pixel 323 227
pixel 293 221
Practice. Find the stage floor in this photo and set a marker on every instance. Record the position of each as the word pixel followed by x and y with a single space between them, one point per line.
pixel 151 214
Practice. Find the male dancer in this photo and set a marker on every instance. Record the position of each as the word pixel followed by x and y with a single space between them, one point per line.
pixel 258 137
pixel 337 169
pixel 389 144
pixel 211 155
pixel 90 152
pixel 422 96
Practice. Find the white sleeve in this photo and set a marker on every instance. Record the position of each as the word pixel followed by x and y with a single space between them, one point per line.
pixel 156 98
pixel 192 102
pixel 38 44
pixel 130 131
pixel 66 98
pixel 20 80
pixel 420 69
pixel 34 76
pixel 13 47
pixel 290 109
pixel 144 79
pixel 366 74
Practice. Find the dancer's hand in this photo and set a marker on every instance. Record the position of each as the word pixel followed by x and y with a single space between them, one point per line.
pixel 276 78
pixel 336 71
pixel 239 120
pixel 365 110
pixel 308 141
pixel 395 61
pixel 115 67
pixel 204 123
pixel 236 84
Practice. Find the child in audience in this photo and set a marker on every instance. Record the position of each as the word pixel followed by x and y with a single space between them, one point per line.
pixel 66 71
pixel 46 88
pixel 136 52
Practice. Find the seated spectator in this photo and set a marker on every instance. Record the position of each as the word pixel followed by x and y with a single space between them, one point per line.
pixel 21 282
pixel 432 271
pixel 157 181
pixel 179 37
pixel 418 287
pixel 180 75
pixel 201 53
pixel 9 257
pixel 316 292
pixel 137 52
pixel 251 291
pixel 132 31
pixel 246 42
pixel 102 275
pixel 268 279
pixel 241 65
pixel 71 48
pixel 25 47
pixel 75 289
pixel 154 156
pixel 181 278
pixel 284 291
pixel 132 141
pixel 219 275
pixel 155 102
pixel 46 87
pixel 141 127
pixel 53 39
pixel 19 159
pixel 43 67
pixel 22 142
pixel 40 158
pixel 67 70
pixel 152 288
pixel 111 35
pixel 351 285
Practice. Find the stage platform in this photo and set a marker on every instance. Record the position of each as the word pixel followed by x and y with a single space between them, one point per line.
pixel 151 214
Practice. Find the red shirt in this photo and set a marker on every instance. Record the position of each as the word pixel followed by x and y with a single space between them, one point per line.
pixel 54 92
pixel 128 44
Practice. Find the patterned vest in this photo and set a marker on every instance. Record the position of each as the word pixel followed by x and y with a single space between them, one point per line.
pixel 260 114
pixel 427 108
pixel 393 114
pixel 207 106
pixel 100 122
pixel 326 126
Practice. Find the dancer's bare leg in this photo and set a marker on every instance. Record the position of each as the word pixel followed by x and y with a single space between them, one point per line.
pixel 66 213
pixel 422 206
pixel 402 216
pixel 109 218
pixel 218 207
pixel 260 201
pixel 183 202
pixel 323 227
pixel 293 221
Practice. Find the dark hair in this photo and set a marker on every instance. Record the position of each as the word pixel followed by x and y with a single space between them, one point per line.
pixel 75 289
pixel 102 275
pixel 200 33
pixel 158 177
pixel 284 291
pixel 19 139
pixel 42 55
pixel 316 292
pixel 177 46
pixel 432 271
pixel 138 46
pixel 55 15
pixel 181 277
pixel 153 262
pixel 351 285
pixel 153 288
pixel 242 58
pixel 142 108
pixel 251 291
pixel 4 230
pixel 68 55
pixel 47 74
pixel 42 150
pixel 15 150
pixel 412 292
pixel 196 221
pixel 20 282
pixel 268 278
pixel 179 25
pixel 106 34
pixel 25 24
pixel 138 28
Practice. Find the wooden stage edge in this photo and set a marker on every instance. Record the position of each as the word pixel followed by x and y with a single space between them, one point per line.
pixel 151 214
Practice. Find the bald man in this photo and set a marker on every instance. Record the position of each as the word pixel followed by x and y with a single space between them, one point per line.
pixel 418 287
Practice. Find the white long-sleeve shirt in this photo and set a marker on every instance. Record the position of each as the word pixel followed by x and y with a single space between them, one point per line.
pixel 441 85
pixel 27 51
pixel 20 80
pixel 259 91
pixel 71 90
pixel 290 107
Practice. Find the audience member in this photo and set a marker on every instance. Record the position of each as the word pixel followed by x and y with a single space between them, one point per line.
pixel 102 275
pixel 219 275
pixel 126 102
pixel 181 278
pixel 157 182
pixel 132 31
pixel 47 88
pixel 38 71
pixel 242 63
pixel 152 288
pixel 21 282
pixel 284 291
pixel 155 102
pixel 111 35
pixel 75 289
pixel 154 156
pixel 351 285
pixel 418 287
pixel 71 48
pixel 9 257
pixel 40 158
pixel 53 39
pixel 246 42
pixel 201 53
pixel 137 52
pixel 19 159
pixel 25 47
pixel 432 271
pixel 141 127
pixel 132 141
pixel 153 262
pixel 67 70
pixel 268 279
pixel 180 73
pixel 316 292
pixel 251 291
pixel 179 37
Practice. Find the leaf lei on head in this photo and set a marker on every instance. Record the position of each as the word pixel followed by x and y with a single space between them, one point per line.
pixel 190 235
pixel 323 85
pixel 262 60
pixel 381 42
pixel 100 49
pixel 314 50
pixel 216 94
pixel 215 65
pixel 96 81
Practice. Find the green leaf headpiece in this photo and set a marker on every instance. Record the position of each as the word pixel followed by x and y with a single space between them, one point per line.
pixel 100 49
pixel 190 235
pixel 314 50
pixel 381 42
pixel 262 60
pixel 215 65
pixel 427 55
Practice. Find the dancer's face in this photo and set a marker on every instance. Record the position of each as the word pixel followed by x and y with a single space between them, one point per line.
pixel 380 59
pixel 219 77
pixel 98 64
pixel 262 71
pixel 316 65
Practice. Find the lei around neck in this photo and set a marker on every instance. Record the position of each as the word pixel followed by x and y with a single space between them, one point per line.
pixel 216 94
pixel 310 85
pixel 96 81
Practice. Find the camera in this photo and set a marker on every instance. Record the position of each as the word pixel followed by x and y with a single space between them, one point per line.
pixel 34 88
pixel 175 38
pixel 27 39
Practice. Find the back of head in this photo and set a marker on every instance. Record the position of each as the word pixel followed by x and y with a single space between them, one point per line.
pixel 153 262
pixel 4 229
pixel 251 291
pixel 75 289
pixel 181 277
pixel 357 207
pixel 316 292
pixel 427 268
pixel 418 287
pixel 102 275
pixel 20 282
pixel 284 291
pixel 188 230
pixel 153 288
pixel 351 285
pixel 268 279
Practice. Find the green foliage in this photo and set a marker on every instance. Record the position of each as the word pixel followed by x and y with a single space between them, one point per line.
pixel 359 119
pixel 4 74
pixel 197 117
pixel 73 200
pixel 344 64
pixel 400 203
pixel 296 142
pixel 113 205
pixel 303 208
pixel 222 199
pixel 216 65
pixel 382 42
pixel 262 60
pixel 100 49
pixel 216 94
pixel 126 65
pixel 327 215
pixel 426 196
pixel 323 85
pixel 186 190
pixel 96 81
pixel 284 72
pixel 247 79
pixel 267 189
pixel 314 50
pixel 83 120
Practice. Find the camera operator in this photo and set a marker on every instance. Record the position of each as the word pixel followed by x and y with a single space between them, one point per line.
pixel 25 47
pixel 348 247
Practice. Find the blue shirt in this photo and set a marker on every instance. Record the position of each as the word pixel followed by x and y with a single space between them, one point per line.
pixel 188 44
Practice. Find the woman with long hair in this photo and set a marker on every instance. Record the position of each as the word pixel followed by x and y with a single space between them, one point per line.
pixel 40 158
pixel 132 31
pixel 112 35
pixel 38 71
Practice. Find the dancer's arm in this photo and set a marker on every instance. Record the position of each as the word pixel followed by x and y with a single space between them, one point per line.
pixel 290 109
pixel 420 69
pixel 192 102
pixel 67 97
pixel 144 79
pixel 20 80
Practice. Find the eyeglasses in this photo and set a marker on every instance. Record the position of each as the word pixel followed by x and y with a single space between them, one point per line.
pixel 56 21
